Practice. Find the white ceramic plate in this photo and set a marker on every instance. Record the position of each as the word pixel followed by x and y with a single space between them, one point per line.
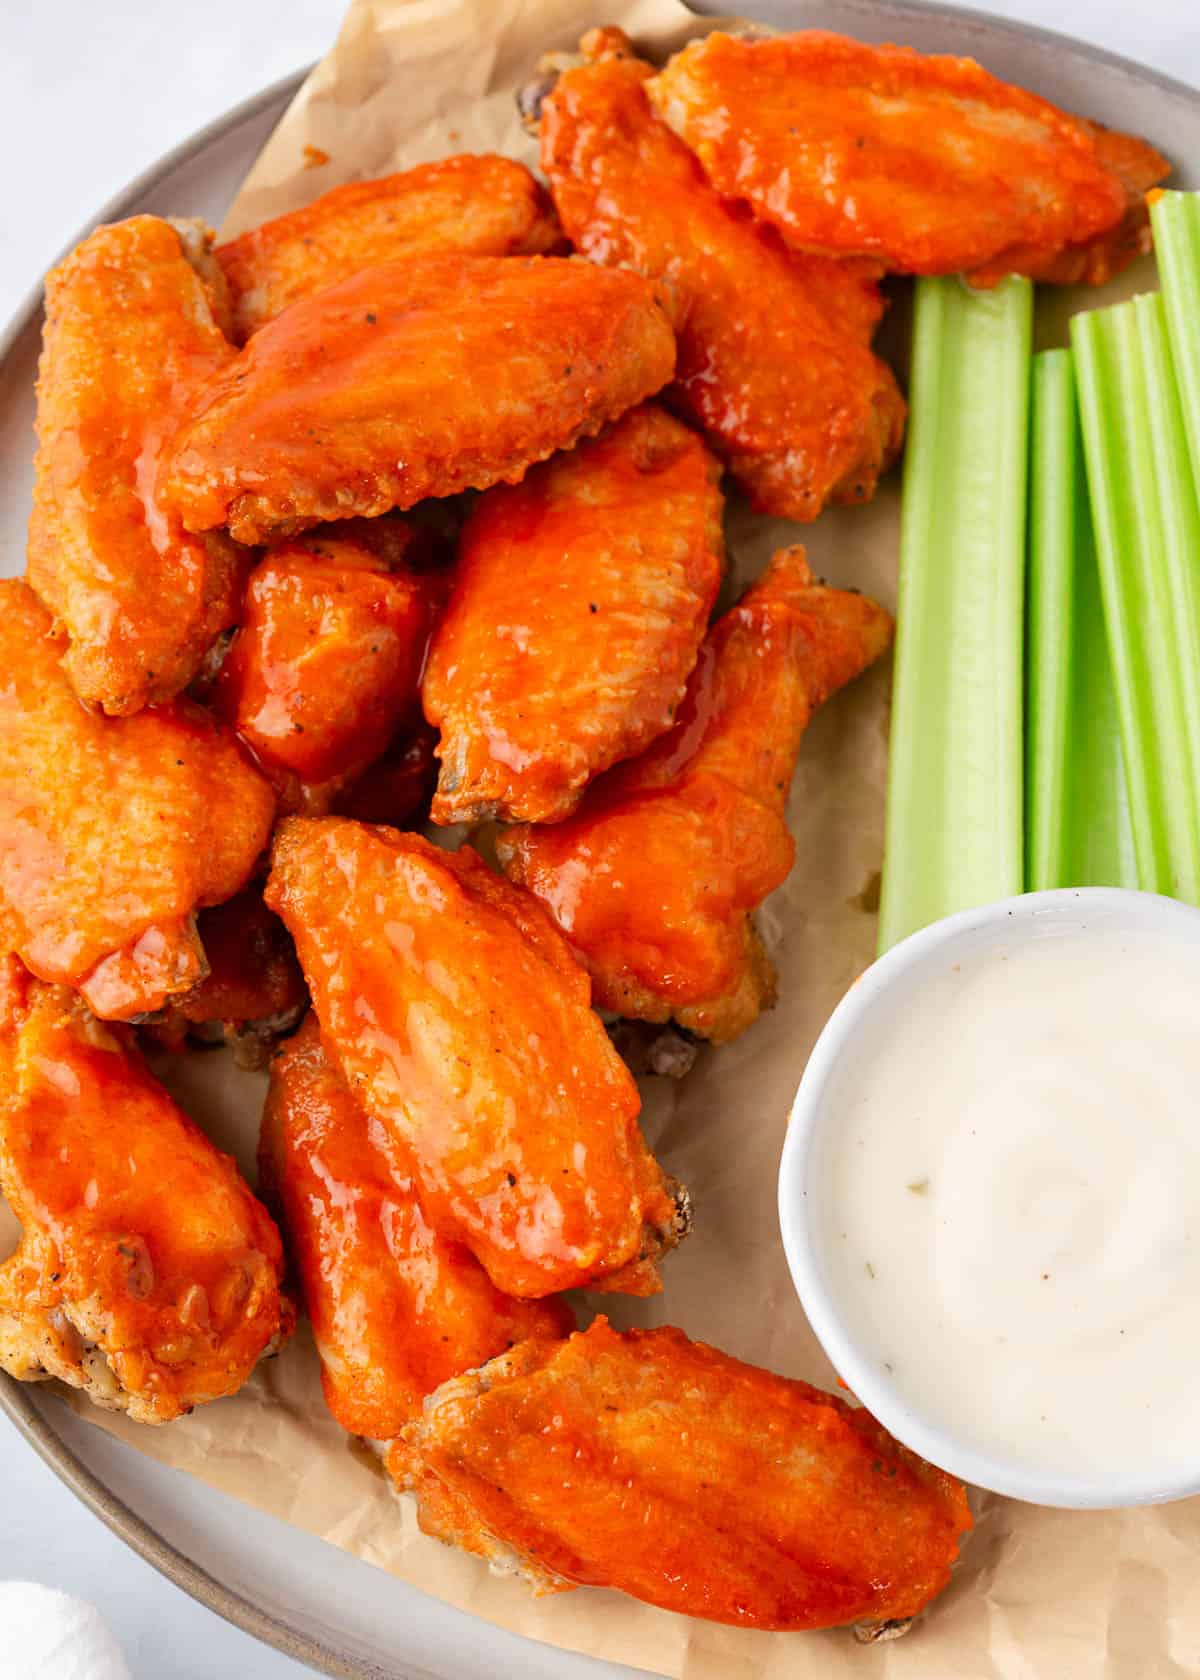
pixel 316 1603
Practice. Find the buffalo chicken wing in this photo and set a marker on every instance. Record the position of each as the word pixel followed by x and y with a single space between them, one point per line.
pixel 129 331
pixel 147 1274
pixel 415 379
pixel 922 161
pixel 396 1309
pixel 774 350
pixel 325 666
pixel 462 1023
pixel 1093 262
pixel 480 206
pixel 670 1471
pixel 654 878
pixel 580 599
pixel 113 831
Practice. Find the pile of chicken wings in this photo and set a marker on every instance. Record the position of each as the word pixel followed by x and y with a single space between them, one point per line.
pixel 404 513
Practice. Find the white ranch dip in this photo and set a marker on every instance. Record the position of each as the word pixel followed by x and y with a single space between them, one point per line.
pixel 1009 1201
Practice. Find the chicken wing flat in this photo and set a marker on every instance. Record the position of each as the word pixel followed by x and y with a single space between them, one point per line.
pixel 1137 167
pixel 480 206
pixel 774 360
pixel 396 1309
pixel 129 330
pixel 326 663
pixel 253 991
pixel 580 600
pixel 925 162
pixel 462 1022
pixel 147 1273
pixel 654 878
pixel 415 379
pixel 113 831
pixel 670 1471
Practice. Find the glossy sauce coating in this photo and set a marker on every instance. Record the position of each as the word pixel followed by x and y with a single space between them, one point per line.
pixel 325 666
pixel 129 332
pixel 113 831
pixel 537 687
pixel 774 359
pixel 396 1309
pixel 147 1273
pixel 654 878
pixel 1138 167
pixel 481 206
pixel 462 1022
pixel 666 1469
pixel 415 379
pixel 923 161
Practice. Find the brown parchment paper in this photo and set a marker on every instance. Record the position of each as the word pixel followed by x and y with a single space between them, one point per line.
pixel 1039 1593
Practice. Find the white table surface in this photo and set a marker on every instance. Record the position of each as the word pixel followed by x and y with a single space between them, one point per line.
pixel 91 93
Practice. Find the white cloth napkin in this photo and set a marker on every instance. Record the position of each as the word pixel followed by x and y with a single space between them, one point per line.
pixel 47 1635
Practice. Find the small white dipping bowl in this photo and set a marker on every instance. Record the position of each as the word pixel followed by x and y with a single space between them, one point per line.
pixel 893 982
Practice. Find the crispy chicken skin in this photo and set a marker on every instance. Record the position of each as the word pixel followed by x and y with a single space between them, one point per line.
pixel 1137 167
pixel 396 1309
pixel 462 1022
pixel 113 831
pixel 923 161
pixel 480 206
pixel 536 688
pixel 147 1273
pixel 415 379
pixel 666 1469
pixel 129 331
pixel 325 666
pixel 253 991
pixel 774 360
pixel 654 878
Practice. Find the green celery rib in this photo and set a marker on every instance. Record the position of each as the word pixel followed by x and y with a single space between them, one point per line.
pixel 1078 831
pixel 955 825
pixel 1175 221
pixel 1147 526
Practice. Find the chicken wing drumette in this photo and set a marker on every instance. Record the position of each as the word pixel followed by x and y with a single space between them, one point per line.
pixel 923 161
pixel 481 206
pixel 396 1309
pixel 147 1274
pixel 130 329
pixel 774 350
pixel 462 1023
pixel 414 379
pixel 325 666
pixel 654 878
pixel 580 600
pixel 113 831
pixel 666 1469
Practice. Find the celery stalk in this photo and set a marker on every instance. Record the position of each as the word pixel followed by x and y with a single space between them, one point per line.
pixel 954 830
pixel 1147 525
pixel 1175 221
pixel 1077 810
